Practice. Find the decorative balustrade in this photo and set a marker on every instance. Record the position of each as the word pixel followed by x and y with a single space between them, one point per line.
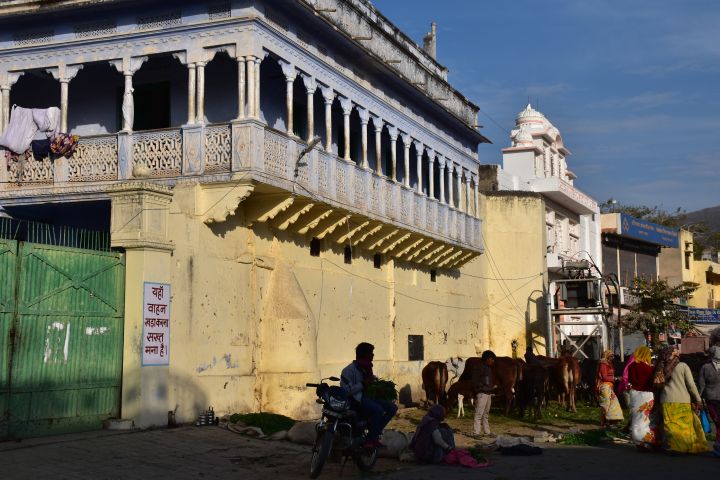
pixel 159 150
pixel 95 159
pixel 272 155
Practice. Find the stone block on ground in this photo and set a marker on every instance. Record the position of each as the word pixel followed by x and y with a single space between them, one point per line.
pixel 395 442
pixel 281 435
pixel 303 433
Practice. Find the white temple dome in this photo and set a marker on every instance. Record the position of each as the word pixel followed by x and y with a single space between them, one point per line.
pixel 523 137
pixel 529 114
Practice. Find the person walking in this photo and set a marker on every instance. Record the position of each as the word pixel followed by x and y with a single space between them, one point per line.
pixel 643 424
pixel 679 398
pixel 482 383
pixel 709 390
pixel 610 411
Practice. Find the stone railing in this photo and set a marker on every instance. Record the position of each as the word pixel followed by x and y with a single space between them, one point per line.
pixel 269 155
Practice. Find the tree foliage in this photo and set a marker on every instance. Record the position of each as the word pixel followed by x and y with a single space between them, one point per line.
pixel 651 214
pixel 657 310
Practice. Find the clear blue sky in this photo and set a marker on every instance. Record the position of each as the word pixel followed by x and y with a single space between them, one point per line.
pixel 633 86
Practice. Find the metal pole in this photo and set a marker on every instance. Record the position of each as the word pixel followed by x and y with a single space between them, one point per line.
pixel 620 326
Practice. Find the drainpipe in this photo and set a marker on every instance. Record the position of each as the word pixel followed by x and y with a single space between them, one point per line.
pixel 550 340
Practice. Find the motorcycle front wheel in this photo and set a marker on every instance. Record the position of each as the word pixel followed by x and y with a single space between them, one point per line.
pixel 365 458
pixel 321 450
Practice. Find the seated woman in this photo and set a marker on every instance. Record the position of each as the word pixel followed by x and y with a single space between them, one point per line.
pixel 432 439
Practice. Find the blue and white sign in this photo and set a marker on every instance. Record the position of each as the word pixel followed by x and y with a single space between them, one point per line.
pixel 704 315
pixel 647 231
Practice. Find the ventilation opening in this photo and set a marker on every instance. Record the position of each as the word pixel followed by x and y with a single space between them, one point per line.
pixel 433 275
pixel 314 247
pixel 416 347
pixel 348 254
pixel 377 260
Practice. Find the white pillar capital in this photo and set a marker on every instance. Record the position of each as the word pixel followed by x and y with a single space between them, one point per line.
pixel 377 122
pixel 393 131
pixel 181 57
pixel 133 64
pixel 406 139
pixel 12 78
pixel 310 83
pixel 419 147
pixel 364 114
pixel 441 161
pixel 431 153
pixel 346 105
pixel 288 70
pixel 328 94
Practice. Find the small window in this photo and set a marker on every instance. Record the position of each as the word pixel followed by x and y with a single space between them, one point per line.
pixel 315 247
pixel 377 260
pixel 348 254
pixel 688 255
pixel 433 275
pixel 416 348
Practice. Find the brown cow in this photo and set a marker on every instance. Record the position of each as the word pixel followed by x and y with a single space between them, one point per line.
pixel 456 394
pixel 565 374
pixel 507 372
pixel 435 377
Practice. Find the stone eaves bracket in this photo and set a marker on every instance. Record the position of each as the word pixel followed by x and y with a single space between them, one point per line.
pixel 220 200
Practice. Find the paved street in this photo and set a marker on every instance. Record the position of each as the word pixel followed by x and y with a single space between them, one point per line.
pixel 192 453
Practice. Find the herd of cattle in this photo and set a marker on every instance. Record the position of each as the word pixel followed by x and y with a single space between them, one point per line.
pixel 516 381
pixel 524 385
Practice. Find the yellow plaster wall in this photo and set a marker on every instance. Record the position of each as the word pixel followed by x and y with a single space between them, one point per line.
pixel 672 260
pixel 706 290
pixel 255 316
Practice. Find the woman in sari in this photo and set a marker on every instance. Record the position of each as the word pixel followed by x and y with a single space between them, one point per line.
pixel 642 400
pixel 682 430
pixel 610 411
pixel 709 387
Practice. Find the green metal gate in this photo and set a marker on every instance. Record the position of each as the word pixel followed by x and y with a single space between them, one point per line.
pixel 61 338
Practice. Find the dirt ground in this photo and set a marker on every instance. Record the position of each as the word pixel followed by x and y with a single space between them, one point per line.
pixel 213 452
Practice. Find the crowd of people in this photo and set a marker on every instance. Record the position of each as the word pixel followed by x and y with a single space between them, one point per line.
pixel 663 398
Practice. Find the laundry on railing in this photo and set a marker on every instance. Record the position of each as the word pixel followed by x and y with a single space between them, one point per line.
pixel 25 123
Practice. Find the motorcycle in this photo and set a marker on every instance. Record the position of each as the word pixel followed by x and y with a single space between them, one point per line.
pixel 340 430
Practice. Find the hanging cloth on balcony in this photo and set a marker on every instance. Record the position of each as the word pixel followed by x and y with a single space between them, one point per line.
pixel 25 123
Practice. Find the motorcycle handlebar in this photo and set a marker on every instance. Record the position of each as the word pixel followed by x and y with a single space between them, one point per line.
pixel 315 385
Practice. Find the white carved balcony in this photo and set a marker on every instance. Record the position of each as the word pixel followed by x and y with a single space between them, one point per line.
pixel 565 194
pixel 328 190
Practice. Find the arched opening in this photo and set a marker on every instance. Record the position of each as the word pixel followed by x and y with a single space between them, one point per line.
pixel 273 108
pixel 355 137
pixel 372 152
pixel 160 93
pixel 95 98
pixel 299 108
pixel 386 148
pixel 221 92
pixel 35 89
pixel 413 166
pixel 426 173
pixel 318 115
pixel 338 135
pixel 436 178
pixel 400 148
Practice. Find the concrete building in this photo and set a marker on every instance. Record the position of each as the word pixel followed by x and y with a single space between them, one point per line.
pixel 537 162
pixel 300 175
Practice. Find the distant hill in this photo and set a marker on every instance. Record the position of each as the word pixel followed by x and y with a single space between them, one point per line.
pixel 711 217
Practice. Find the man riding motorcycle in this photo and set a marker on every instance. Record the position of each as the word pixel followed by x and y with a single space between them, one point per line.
pixel 354 379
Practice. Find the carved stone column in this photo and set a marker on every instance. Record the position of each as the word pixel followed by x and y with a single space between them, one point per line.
pixel 364 119
pixel 459 187
pixel 257 87
pixel 393 131
pixel 290 73
pixel 191 93
pixel 310 87
pixel 406 158
pixel 419 148
pixel 241 87
pixel 200 109
pixel 64 73
pixel 431 173
pixel 467 194
pixel 328 97
pixel 475 196
pixel 250 60
pixel 346 106
pixel 378 124
pixel 450 168
pixel 12 78
pixel 441 177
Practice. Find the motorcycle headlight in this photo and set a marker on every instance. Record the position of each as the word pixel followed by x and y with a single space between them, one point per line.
pixel 337 404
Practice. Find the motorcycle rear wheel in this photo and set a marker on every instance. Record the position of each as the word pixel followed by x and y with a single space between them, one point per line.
pixel 321 450
pixel 365 458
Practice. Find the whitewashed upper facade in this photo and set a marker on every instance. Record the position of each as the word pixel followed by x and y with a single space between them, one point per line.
pixel 237 90
pixel 537 161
